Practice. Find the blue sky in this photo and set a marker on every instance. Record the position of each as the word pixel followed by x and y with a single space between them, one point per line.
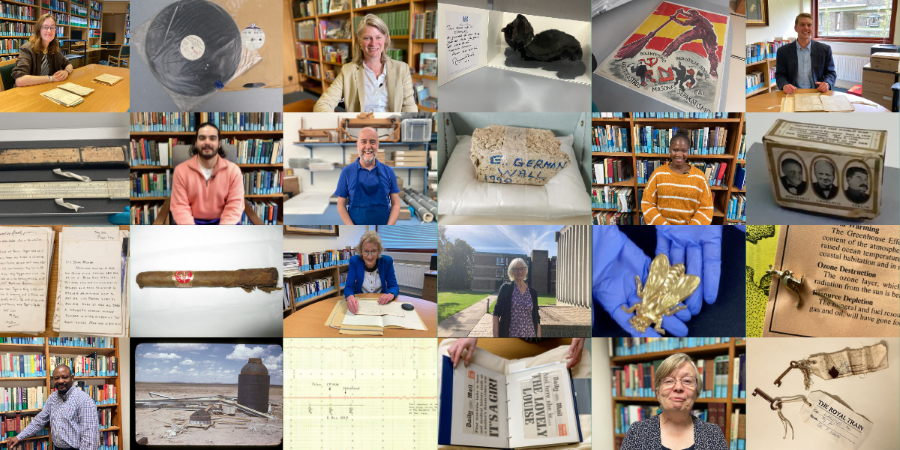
pixel 203 363
pixel 507 238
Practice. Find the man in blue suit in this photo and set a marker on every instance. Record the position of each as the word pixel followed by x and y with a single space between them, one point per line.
pixel 804 63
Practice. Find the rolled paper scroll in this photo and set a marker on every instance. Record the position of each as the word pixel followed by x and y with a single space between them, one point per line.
pixel 266 280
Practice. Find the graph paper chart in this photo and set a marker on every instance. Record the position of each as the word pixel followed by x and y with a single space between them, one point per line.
pixel 360 394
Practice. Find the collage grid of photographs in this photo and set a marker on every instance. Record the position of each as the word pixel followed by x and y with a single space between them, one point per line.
pixel 718 250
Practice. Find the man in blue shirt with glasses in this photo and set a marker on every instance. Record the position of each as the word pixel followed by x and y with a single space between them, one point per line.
pixel 804 63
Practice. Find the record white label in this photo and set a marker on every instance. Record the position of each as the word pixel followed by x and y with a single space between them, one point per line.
pixel 192 47
pixel 253 37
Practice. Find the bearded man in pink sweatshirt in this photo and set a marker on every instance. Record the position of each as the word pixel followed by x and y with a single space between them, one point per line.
pixel 207 189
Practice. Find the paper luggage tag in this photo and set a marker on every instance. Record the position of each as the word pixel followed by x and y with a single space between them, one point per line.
pixel 840 364
pixel 840 423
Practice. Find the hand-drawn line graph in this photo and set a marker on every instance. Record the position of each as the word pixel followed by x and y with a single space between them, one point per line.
pixel 360 394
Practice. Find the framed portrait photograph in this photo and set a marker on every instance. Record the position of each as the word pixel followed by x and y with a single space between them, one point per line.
pixel 312 230
pixel 757 13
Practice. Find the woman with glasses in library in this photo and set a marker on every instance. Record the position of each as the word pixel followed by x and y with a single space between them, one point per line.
pixel 675 428
pixel 372 82
pixel 40 59
pixel 516 311
pixel 677 193
pixel 370 272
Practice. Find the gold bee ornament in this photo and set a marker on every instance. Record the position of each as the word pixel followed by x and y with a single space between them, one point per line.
pixel 667 286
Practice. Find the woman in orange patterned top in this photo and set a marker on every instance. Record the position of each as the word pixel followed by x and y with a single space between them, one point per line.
pixel 677 193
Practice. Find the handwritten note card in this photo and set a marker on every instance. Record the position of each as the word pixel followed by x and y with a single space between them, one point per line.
pixel 25 258
pixel 464 41
pixel 90 281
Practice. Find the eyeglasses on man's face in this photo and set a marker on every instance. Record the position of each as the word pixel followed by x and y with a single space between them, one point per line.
pixel 686 382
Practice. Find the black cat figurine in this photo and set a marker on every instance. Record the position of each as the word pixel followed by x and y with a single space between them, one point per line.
pixel 549 45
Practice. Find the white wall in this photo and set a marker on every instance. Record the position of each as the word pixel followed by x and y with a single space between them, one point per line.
pixel 601 403
pixel 327 181
pixel 781 23
pixel 348 236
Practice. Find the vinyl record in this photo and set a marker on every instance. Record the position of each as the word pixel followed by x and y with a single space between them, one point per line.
pixel 193 47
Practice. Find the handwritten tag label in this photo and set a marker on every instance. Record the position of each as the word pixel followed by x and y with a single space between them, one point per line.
pixel 840 423
pixel 463 31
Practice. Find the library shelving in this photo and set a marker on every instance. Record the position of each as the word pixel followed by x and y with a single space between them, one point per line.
pixel 703 350
pixel 410 44
pixel 47 350
pixel 733 123
pixel 332 272
pixel 186 138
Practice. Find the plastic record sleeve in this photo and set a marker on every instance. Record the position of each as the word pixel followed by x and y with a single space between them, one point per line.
pixel 193 47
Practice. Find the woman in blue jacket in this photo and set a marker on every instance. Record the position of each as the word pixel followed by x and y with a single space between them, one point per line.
pixel 370 271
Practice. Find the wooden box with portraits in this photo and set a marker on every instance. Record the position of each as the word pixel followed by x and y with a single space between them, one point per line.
pixel 825 169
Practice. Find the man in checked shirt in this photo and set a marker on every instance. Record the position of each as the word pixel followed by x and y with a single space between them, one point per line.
pixel 72 415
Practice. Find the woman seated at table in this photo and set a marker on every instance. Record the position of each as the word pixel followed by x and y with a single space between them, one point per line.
pixel 370 271
pixel 40 59
pixel 677 193
pixel 675 428
pixel 372 82
pixel 516 312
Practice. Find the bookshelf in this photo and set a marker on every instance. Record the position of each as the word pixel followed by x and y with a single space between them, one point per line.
pixel 734 124
pixel 186 137
pixel 48 351
pixel 334 272
pixel 412 47
pixel 734 347
pixel 768 85
pixel 81 15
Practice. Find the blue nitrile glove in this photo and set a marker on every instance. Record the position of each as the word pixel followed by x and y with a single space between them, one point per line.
pixel 741 227
pixel 699 247
pixel 122 218
pixel 616 260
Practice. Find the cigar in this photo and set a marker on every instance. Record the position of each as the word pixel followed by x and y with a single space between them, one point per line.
pixel 247 279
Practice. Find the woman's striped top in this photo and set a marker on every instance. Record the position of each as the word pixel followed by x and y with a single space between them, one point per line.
pixel 677 199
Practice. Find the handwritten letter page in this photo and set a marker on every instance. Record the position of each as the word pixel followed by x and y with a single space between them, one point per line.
pixel 90 281
pixel 465 44
pixel 25 258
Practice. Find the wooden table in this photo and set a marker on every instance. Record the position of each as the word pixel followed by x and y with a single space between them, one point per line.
pixel 515 348
pixel 103 99
pixel 762 102
pixel 309 321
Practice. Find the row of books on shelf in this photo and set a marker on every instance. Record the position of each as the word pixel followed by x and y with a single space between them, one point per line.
pixel 109 440
pixel 397 54
pixel 627 346
pixel 10 11
pixel 151 152
pixel 303 8
pixel 60 18
pixel 96 33
pixel 610 138
pixel 714 172
pixel 704 141
pixel 22 340
pixel 11 45
pixel 257 151
pixel 742 148
pixel 104 394
pixel 306 29
pixel 94 23
pixel 40 444
pixel 309 68
pixel 336 53
pixel 79 10
pixel 144 213
pixel 424 25
pixel 12 426
pixel 761 51
pixel 267 211
pixel 737 208
pixel 740 177
pixel 638 380
pixel 9 58
pixel 23 366
pixel 612 197
pixel 105 417
pixel 239 121
pixel 55 4
pixel 611 169
pixel 617 218
pixel 96 6
pixel 334 29
pixel 78 21
pixel 9 29
pixel 295 263
pixel 21 398
pixel 679 115
pixel 396 21
pixel 753 82
pixel 263 182
pixel 88 366
pixel 96 15
pixel 307 51
pixel 607 115
pixel 303 291
pixel 151 184
pixel 162 121
pixel 84 341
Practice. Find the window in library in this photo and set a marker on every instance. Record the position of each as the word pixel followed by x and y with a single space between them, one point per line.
pixel 861 21
pixel 421 239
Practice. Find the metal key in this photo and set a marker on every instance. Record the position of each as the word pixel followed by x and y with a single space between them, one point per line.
pixel 793 366
pixel 766 397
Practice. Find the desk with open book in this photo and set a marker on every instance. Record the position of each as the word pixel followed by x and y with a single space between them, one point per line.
pixel 773 101
pixel 309 321
pixel 104 98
